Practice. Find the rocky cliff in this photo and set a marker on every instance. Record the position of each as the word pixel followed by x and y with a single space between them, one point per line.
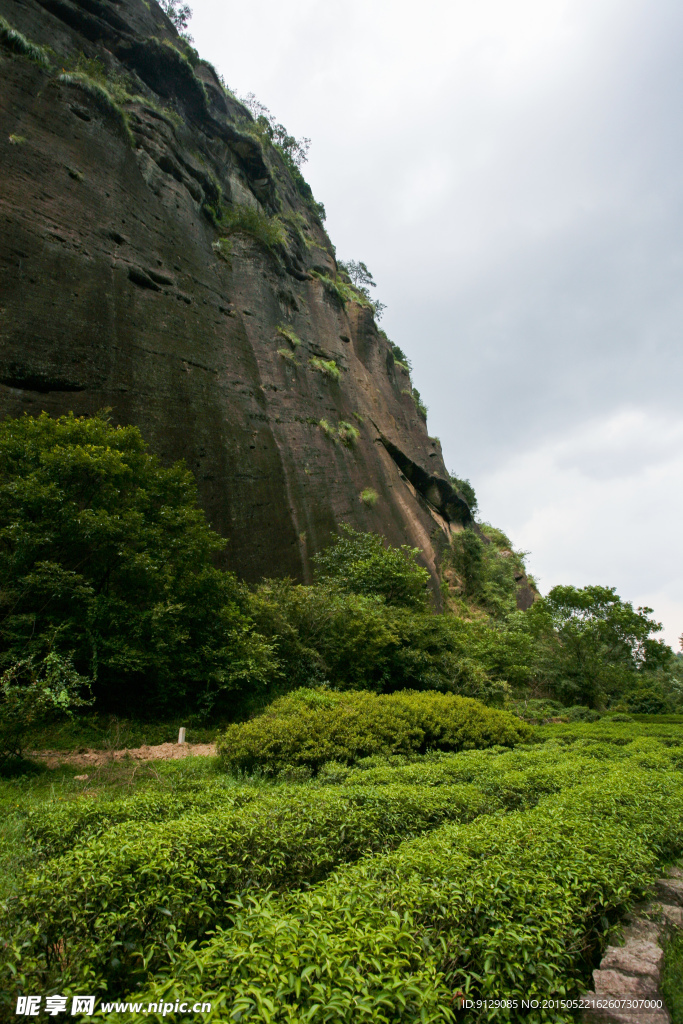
pixel 160 257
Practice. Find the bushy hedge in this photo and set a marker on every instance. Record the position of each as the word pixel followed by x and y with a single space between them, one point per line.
pixel 505 907
pixel 311 727
pixel 107 912
pixel 54 830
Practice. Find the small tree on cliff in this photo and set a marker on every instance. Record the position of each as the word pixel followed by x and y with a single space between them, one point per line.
pixel 361 564
pixel 180 14
pixel 106 559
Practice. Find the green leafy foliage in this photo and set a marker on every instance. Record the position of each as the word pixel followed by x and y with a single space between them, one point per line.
pixel 32 694
pixel 467 490
pixel 369 496
pixel 359 641
pixel 106 558
pixel 311 727
pixel 348 434
pixel 194 867
pixel 361 564
pixel 593 647
pixel 247 220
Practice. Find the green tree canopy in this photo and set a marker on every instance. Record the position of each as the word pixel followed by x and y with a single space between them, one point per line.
pixel 592 646
pixel 106 557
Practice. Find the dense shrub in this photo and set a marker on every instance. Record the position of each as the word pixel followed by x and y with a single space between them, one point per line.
pixel 358 641
pixel 361 563
pixel 106 557
pixel 310 727
pixel 505 907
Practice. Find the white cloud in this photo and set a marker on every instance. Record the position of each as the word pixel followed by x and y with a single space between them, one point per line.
pixel 603 505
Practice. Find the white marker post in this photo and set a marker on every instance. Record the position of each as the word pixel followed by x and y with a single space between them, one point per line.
pixel 181 735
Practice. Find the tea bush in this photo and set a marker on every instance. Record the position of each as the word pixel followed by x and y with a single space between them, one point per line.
pixel 54 830
pixel 310 727
pixel 505 907
pixel 118 902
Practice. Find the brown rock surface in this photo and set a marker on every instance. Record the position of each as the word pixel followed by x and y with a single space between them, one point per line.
pixel 612 983
pixel 670 890
pixel 113 294
pixel 644 958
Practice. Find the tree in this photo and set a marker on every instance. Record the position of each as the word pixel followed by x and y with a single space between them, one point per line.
pixel 592 647
pixel 106 558
pixel 360 564
pixel 180 14
pixel 359 274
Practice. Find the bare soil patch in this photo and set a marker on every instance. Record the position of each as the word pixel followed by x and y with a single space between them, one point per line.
pixel 98 758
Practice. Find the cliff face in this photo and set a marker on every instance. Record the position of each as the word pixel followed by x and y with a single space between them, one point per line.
pixel 116 291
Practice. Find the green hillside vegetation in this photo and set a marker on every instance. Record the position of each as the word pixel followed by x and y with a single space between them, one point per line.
pixel 112 604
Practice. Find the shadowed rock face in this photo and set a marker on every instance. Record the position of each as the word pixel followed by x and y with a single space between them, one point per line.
pixel 113 294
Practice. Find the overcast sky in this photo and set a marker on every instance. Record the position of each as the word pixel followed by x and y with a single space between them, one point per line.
pixel 512 174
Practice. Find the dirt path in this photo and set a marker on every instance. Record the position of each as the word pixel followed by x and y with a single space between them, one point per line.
pixel 97 758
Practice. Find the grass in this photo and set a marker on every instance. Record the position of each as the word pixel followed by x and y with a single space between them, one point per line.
pixel 19 44
pixel 286 332
pixel 246 220
pixel 369 497
pixel 344 432
pixel 327 367
pixel 287 355
pixel 223 250
pixel 348 434
pixel 107 732
pixel 340 291
pixel 672 977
